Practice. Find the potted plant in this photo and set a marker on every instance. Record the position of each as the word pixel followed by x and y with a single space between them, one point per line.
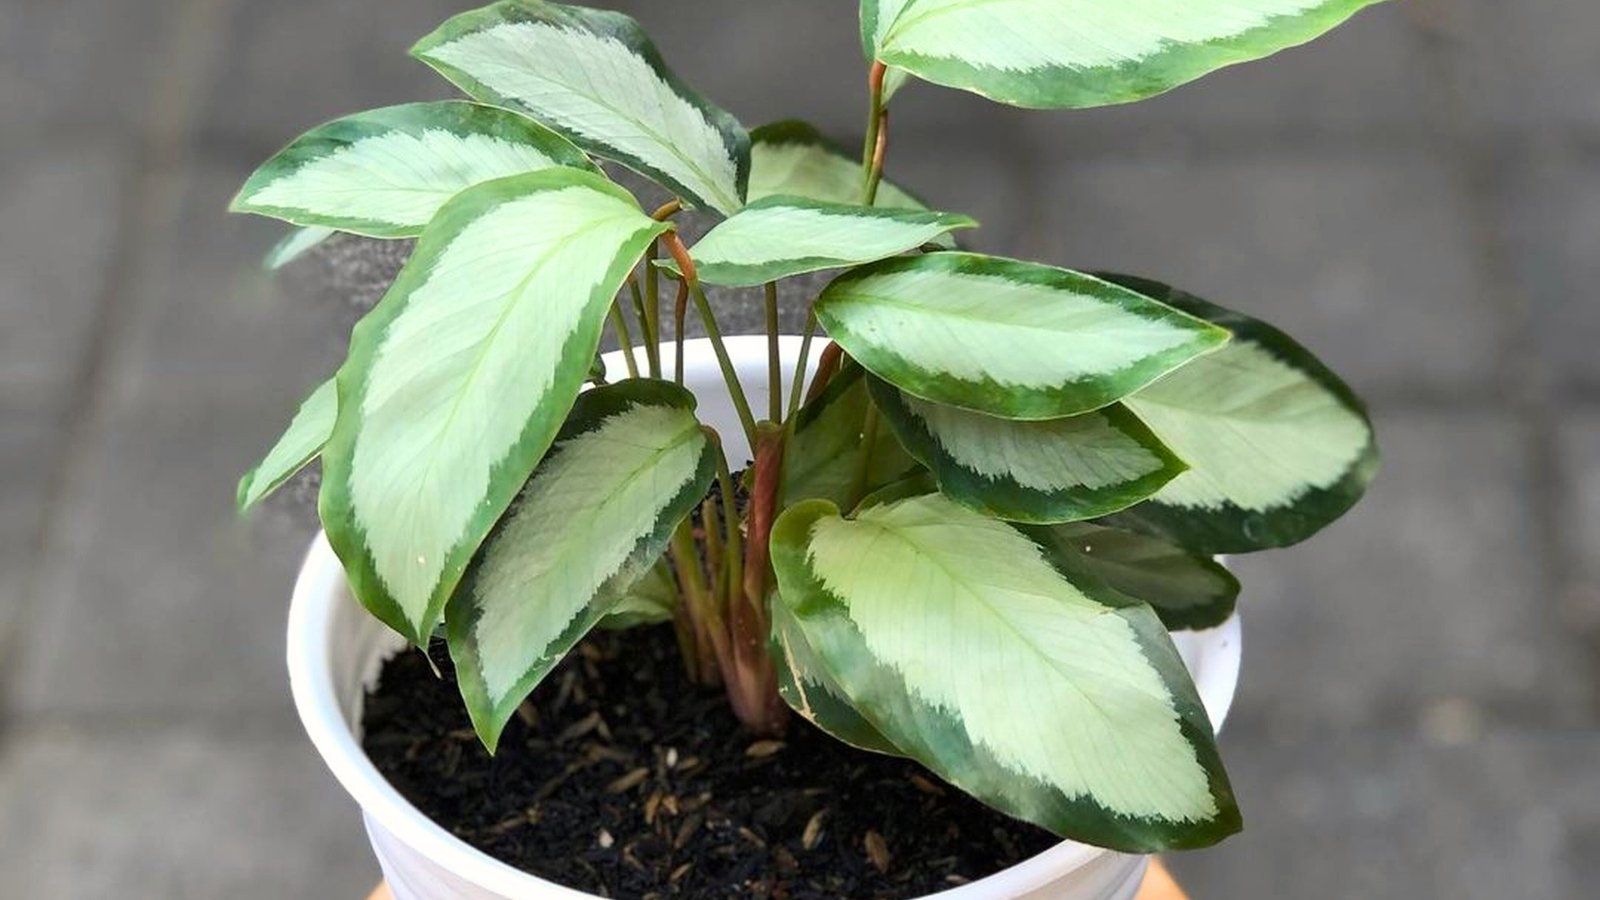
pixel 983 495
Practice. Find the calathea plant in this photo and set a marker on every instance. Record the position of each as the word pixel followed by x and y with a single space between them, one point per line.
pixel 964 543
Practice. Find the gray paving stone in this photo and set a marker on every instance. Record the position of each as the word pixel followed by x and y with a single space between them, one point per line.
pixel 1358 82
pixel 59 211
pixel 163 815
pixel 1367 260
pixel 1372 815
pixel 1427 602
pixel 291 65
pixel 207 312
pixel 1549 214
pixel 81 65
pixel 30 439
pixel 1525 67
pixel 1579 440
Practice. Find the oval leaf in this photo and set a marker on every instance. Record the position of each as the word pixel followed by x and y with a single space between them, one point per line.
pixel 595 77
pixel 1080 53
pixel 1012 339
pixel 1187 590
pixel 386 172
pixel 1061 704
pixel 825 452
pixel 1058 470
pixel 782 236
pixel 629 464
pixel 793 158
pixel 459 379
pixel 1277 446
pixel 307 433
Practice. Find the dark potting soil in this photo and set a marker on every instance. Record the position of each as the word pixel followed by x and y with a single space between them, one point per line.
pixel 623 779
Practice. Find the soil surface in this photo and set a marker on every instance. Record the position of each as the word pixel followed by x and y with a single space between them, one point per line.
pixel 623 779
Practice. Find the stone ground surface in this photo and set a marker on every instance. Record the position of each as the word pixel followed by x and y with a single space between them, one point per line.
pixel 1417 197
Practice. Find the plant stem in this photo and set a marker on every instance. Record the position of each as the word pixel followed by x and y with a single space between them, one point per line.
pixel 827 366
pixel 724 361
pixel 753 688
pixel 869 439
pixel 652 309
pixel 797 385
pixel 876 145
pixel 698 607
pixel 774 358
pixel 624 339
pixel 680 309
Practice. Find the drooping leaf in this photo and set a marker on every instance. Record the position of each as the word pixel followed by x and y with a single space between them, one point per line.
pixel 307 433
pixel 294 245
pixel 1056 470
pixel 825 451
pixel 793 158
pixel 1081 53
pixel 595 77
pixel 385 173
pixel 806 686
pixel 598 512
pixel 650 601
pixel 1277 446
pixel 1012 339
pixel 1187 590
pixel 458 381
pixel 1061 703
pixel 782 236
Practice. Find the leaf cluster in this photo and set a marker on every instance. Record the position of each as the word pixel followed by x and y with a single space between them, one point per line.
pixel 963 539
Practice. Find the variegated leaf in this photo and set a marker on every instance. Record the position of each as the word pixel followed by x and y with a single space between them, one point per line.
pixel 1057 470
pixel 386 172
pixel 793 158
pixel 1277 446
pixel 294 245
pixel 780 236
pixel 1012 339
pixel 1060 703
pixel 459 379
pixel 595 77
pixel 825 452
pixel 1080 53
pixel 1187 590
pixel 307 433
pixel 629 464
pixel 806 686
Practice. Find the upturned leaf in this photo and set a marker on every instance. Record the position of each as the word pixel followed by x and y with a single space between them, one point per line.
pixel 825 453
pixel 628 466
pixel 1051 698
pixel 307 433
pixel 780 236
pixel 1056 470
pixel 294 245
pixel 385 173
pixel 595 77
pixel 1277 446
pixel 1007 338
pixel 458 381
pixel 1081 53
pixel 1187 590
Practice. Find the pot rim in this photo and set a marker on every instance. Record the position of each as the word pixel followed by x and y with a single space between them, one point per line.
pixel 318 591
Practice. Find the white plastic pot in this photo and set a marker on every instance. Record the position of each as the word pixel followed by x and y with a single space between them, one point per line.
pixel 336 649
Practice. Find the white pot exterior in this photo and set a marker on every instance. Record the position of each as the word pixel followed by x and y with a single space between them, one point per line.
pixel 336 650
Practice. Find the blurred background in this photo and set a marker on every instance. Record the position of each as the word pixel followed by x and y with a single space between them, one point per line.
pixel 1416 197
